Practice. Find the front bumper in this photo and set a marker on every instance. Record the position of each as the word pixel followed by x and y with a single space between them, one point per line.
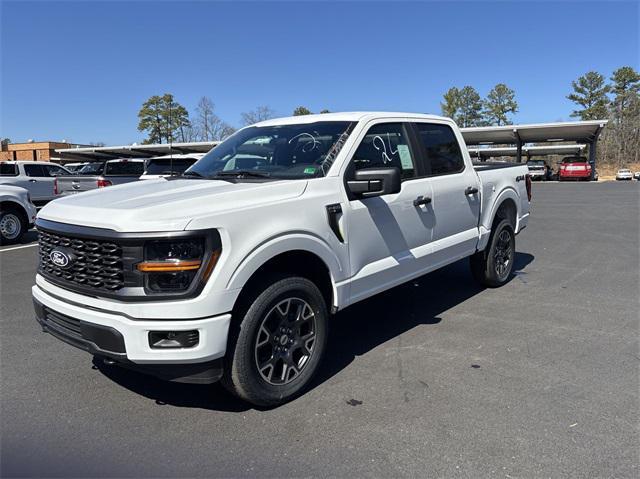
pixel 126 340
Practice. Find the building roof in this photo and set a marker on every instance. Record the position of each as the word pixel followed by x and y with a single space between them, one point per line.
pixel 580 131
pixel 97 153
pixel 545 150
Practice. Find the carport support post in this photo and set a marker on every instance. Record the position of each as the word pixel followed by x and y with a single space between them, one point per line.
pixel 592 158
pixel 518 146
pixel 592 151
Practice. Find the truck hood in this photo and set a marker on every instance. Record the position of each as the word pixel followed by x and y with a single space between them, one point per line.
pixel 164 205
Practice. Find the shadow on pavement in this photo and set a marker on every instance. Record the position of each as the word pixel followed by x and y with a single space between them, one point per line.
pixel 353 332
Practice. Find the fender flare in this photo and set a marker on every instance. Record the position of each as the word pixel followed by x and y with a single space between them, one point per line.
pixel 507 193
pixel 10 199
pixel 269 249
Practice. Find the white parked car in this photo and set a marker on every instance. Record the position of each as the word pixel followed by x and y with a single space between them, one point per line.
pixel 232 270
pixel 624 174
pixel 17 213
pixel 636 175
pixel 169 165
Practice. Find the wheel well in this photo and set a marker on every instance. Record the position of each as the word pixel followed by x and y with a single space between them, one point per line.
pixel 15 207
pixel 507 211
pixel 300 263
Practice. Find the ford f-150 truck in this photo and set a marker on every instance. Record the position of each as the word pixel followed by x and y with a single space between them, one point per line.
pixel 232 270
pixel 37 177
pixel 100 174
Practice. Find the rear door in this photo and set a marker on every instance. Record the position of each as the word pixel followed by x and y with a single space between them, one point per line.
pixel 388 236
pixel 38 182
pixel 455 187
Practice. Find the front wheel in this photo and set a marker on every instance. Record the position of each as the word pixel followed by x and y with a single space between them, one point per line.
pixel 279 343
pixel 12 226
pixel 492 267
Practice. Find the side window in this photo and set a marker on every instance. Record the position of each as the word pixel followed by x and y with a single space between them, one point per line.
pixel 55 170
pixel 35 170
pixel 384 145
pixel 8 169
pixel 441 148
pixel 124 168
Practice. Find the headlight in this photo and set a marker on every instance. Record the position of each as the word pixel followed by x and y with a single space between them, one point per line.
pixel 173 265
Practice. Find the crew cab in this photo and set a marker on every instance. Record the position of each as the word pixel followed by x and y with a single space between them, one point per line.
pixel 37 177
pixel 232 270
pixel 100 174
pixel 17 213
pixel 574 168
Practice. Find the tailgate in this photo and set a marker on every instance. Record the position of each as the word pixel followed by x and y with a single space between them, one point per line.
pixel 76 184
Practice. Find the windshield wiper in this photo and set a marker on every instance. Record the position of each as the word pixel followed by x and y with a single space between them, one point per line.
pixel 242 174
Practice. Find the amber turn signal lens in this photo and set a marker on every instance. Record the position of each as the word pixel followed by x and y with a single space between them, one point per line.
pixel 168 266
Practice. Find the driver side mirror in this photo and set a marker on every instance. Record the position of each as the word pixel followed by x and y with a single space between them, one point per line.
pixel 369 182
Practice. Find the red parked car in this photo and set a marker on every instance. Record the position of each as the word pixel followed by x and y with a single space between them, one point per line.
pixel 574 168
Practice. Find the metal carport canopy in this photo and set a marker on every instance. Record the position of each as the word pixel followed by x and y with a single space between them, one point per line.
pixel 527 151
pixel 134 151
pixel 580 131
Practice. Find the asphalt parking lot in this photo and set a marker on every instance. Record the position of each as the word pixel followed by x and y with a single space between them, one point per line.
pixel 435 378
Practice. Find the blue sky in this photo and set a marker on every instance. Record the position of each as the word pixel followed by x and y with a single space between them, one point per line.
pixel 81 70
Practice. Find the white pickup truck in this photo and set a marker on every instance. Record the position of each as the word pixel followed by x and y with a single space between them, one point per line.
pixel 232 270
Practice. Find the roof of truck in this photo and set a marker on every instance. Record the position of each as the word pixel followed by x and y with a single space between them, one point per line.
pixel 347 116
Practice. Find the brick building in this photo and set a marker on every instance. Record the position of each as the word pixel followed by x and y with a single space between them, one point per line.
pixel 33 151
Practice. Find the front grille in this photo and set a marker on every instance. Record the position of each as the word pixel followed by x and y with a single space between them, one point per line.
pixel 95 264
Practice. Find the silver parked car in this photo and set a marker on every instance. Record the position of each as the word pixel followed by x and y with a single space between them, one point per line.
pixel 37 177
pixel 17 213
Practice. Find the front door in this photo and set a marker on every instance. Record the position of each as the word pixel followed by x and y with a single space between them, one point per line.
pixel 389 235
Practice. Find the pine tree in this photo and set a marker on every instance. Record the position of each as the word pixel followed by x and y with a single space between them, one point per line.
pixel 499 103
pixel 590 92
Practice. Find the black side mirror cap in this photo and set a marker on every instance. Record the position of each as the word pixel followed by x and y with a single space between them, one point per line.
pixel 369 182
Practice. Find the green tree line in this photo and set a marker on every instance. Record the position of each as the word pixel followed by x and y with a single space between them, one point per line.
pixel 165 120
pixel 617 100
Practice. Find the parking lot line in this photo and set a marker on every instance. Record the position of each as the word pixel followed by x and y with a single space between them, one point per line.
pixel 18 247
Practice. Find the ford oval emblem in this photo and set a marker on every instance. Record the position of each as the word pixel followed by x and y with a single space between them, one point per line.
pixel 59 258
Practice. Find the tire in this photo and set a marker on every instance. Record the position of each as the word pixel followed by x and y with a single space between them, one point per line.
pixel 493 266
pixel 13 225
pixel 266 343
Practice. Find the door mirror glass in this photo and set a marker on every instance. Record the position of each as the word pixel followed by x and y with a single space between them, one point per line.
pixel 369 182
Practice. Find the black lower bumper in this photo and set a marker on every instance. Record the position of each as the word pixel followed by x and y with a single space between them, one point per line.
pixel 108 344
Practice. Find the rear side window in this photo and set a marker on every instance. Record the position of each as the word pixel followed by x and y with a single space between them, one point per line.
pixel 35 170
pixel 441 148
pixel 384 145
pixel 166 166
pixel 125 168
pixel 56 170
pixel 8 169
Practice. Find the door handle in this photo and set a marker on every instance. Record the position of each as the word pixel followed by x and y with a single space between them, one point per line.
pixel 32 181
pixel 471 190
pixel 421 200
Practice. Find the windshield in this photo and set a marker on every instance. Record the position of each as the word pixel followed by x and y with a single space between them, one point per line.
pixel 281 151
pixel 166 166
pixel 535 163
pixel 91 169
pixel 574 159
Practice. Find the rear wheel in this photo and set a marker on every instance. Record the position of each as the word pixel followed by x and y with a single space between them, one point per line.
pixel 492 267
pixel 12 225
pixel 277 347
